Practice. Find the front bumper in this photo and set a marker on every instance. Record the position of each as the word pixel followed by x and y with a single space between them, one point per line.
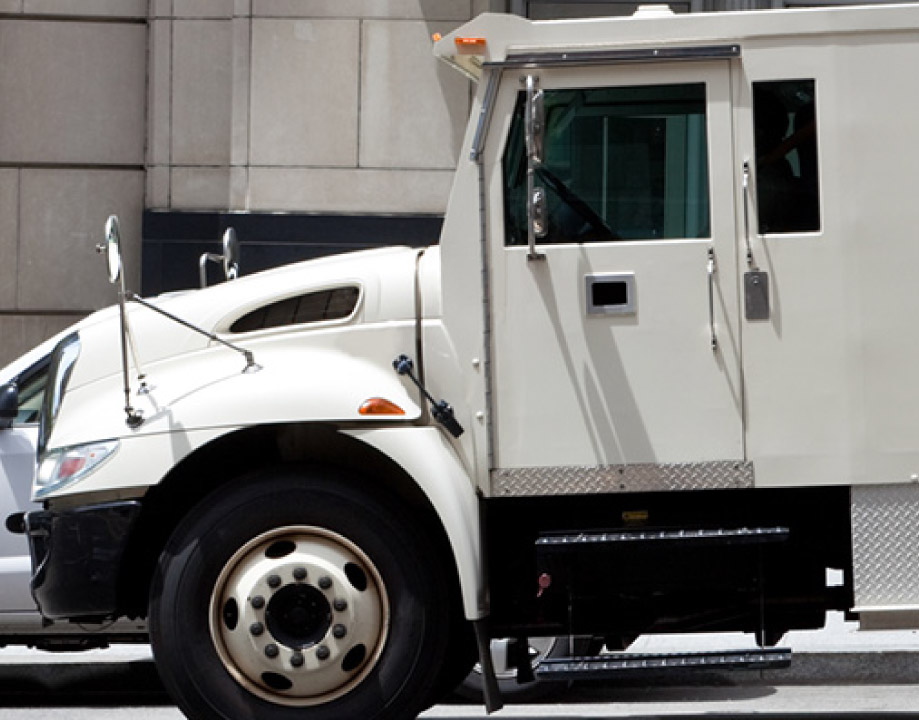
pixel 76 558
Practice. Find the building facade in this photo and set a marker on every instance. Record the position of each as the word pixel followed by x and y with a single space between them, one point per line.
pixel 310 126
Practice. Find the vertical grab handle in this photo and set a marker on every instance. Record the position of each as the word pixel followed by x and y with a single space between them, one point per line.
pixel 746 211
pixel 712 268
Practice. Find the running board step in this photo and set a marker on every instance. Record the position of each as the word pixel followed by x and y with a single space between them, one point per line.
pixel 732 536
pixel 614 665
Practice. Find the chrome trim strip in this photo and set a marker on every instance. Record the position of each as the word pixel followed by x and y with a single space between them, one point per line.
pixel 648 477
pixel 608 57
pixel 481 129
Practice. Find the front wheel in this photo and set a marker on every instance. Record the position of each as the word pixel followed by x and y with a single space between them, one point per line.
pixel 299 595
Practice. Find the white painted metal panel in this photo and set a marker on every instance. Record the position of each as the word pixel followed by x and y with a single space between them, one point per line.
pixel 574 388
pixel 829 379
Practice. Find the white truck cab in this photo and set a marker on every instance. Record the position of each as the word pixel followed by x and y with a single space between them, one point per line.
pixel 656 377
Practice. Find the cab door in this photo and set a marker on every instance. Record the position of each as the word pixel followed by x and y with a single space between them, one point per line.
pixel 615 346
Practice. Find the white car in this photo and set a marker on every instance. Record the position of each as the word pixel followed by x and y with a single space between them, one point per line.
pixel 22 388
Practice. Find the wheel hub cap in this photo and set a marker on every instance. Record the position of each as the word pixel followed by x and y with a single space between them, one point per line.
pixel 299 616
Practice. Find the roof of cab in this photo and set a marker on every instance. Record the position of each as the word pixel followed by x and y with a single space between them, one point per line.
pixel 495 40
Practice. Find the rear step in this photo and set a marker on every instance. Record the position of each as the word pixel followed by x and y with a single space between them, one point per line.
pixel 613 665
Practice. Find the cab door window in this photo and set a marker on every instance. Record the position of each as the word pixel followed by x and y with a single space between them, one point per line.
pixel 621 163
pixel 785 136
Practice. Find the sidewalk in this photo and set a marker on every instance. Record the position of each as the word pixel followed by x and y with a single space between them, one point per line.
pixel 839 653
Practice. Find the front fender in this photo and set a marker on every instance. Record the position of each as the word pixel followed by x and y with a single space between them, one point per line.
pixel 427 456
pixel 208 390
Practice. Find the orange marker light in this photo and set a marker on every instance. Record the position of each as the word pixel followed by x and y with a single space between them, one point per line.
pixel 380 406
pixel 470 45
pixel 437 37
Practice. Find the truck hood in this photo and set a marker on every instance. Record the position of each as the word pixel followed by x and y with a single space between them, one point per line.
pixel 385 278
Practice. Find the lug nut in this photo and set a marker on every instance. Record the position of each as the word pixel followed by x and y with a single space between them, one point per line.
pixel 256 628
pixel 296 660
pixel 258 602
pixel 323 653
pixel 340 604
pixel 300 574
pixel 274 581
pixel 325 582
pixel 271 651
pixel 339 631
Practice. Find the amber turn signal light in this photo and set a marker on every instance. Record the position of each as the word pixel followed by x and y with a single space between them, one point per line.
pixel 380 406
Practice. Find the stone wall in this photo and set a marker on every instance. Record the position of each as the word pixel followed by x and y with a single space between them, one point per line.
pixel 255 106
pixel 72 119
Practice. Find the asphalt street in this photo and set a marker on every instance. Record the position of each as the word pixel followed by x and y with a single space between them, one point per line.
pixel 835 673
pixel 123 685
pixel 646 703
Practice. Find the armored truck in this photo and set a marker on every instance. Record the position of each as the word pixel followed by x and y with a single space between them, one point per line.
pixel 657 376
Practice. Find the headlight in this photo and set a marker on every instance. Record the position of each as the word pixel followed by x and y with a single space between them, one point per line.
pixel 62 361
pixel 60 468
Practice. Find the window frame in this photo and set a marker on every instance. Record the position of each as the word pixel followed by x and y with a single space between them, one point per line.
pixel 514 232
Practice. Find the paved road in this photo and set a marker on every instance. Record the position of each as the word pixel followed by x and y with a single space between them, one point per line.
pixel 130 692
pixel 881 670
pixel 761 703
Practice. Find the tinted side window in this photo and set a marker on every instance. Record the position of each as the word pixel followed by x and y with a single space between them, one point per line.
pixel 622 163
pixel 785 131
pixel 31 394
pixel 335 304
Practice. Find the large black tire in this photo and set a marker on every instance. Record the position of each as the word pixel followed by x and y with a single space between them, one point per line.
pixel 240 631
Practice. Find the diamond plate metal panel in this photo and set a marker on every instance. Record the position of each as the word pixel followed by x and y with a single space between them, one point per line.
pixel 885 545
pixel 720 475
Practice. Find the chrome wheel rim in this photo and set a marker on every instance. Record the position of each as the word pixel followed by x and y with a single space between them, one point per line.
pixel 299 616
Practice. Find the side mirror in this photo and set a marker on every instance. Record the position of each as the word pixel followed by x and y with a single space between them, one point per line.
pixel 9 404
pixel 535 125
pixel 534 130
pixel 230 254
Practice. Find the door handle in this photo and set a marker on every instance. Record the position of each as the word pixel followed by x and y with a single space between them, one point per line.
pixel 712 269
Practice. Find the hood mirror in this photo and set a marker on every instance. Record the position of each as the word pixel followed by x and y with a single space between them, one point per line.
pixel 112 249
pixel 230 258
pixel 230 254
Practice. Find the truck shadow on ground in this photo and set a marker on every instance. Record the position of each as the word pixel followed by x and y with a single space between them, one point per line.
pixel 77 684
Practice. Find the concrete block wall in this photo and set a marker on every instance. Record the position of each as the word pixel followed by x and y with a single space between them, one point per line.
pixel 293 106
pixel 72 119
pixel 259 106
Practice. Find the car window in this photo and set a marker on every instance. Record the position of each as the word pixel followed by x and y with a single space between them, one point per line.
pixel 32 385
